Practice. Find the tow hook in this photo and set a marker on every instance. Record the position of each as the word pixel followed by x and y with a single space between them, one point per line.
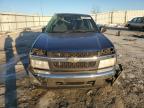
pixel 119 69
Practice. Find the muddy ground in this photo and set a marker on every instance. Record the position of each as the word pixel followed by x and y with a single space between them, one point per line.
pixel 128 91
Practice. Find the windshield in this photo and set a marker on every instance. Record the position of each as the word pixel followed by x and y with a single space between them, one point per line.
pixel 69 23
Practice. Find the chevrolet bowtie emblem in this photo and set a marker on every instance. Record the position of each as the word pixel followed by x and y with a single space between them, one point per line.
pixel 73 60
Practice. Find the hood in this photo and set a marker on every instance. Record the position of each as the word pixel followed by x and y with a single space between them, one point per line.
pixel 72 42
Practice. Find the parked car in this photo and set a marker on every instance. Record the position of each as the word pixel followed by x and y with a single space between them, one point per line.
pixel 136 23
pixel 72 51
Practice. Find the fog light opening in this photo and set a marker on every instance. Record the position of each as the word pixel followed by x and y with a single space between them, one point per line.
pixel 109 80
pixel 91 82
pixel 59 83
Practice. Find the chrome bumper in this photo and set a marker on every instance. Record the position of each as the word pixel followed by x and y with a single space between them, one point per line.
pixel 81 79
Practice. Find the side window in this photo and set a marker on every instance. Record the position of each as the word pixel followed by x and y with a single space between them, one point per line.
pixel 50 24
pixel 139 20
pixel 143 20
pixel 134 20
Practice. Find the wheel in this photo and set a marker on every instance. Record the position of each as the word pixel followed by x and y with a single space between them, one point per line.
pixel 129 27
pixel 143 28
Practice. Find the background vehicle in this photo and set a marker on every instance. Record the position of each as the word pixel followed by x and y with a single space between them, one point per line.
pixel 136 23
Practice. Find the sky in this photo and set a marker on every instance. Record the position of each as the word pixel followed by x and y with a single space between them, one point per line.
pixel 49 7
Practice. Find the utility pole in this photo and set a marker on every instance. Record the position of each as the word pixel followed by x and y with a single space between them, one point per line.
pixel 41 9
pixel 125 20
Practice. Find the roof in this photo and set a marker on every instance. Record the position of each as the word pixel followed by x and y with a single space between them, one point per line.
pixel 71 14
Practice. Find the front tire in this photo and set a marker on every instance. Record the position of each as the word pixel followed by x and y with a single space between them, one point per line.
pixel 143 28
pixel 130 28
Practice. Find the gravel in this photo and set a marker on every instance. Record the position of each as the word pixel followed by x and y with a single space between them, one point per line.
pixel 128 91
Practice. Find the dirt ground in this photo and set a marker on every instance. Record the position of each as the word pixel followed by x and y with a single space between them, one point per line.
pixel 128 91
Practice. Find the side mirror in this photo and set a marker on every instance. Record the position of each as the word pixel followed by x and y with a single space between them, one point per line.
pixel 103 30
pixel 43 29
pixel 99 27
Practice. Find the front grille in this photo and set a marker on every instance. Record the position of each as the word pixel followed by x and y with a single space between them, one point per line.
pixel 72 54
pixel 72 66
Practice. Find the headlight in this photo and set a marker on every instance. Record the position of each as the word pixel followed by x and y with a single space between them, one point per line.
pixel 38 52
pixel 107 63
pixel 107 51
pixel 40 64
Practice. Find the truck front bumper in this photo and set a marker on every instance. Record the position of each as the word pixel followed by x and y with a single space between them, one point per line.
pixel 98 78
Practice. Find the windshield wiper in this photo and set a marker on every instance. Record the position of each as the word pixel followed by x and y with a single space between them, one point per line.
pixel 84 31
pixel 75 31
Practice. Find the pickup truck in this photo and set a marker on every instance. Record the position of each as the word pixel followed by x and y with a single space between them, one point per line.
pixel 72 51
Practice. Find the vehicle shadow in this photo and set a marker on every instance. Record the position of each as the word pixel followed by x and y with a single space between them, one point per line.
pixel 124 29
pixel 138 36
pixel 10 81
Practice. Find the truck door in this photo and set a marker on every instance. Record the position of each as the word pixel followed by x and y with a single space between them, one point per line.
pixel 139 23
pixel 133 23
